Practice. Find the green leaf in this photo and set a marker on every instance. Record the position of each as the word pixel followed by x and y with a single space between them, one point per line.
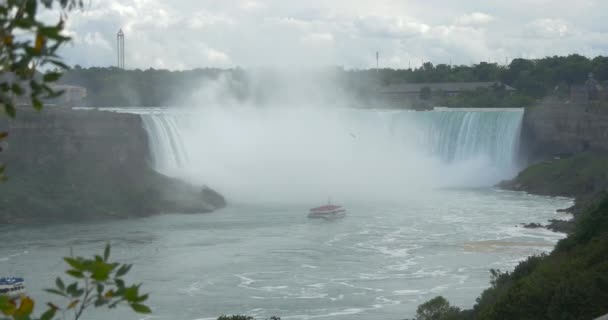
pixel 79 292
pixel 142 298
pixel 119 284
pixel 60 284
pixel 131 293
pixel 99 288
pixel 51 76
pixel 6 306
pixel 75 263
pixel 106 252
pixel 55 291
pixel 10 110
pixel 30 7
pixel 123 270
pixel 59 64
pixel 37 104
pixel 49 314
pixel 100 270
pixel 71 289
pixel 17 89
pixel 100 302
pixel 140 308
pixel 75 273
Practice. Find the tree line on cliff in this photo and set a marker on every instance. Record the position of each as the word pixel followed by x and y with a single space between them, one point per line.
pixel 533 79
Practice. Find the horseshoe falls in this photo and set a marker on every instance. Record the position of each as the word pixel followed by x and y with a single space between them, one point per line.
pixel 301 154
pixel 422 217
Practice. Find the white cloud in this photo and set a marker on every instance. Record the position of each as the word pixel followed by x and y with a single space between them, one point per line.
pixel 389 27
pixel 217 57
pixel 474 19
pixel 318 39
pixel 203 19
pixel 95 39
pixel 547 28
pixel 209 33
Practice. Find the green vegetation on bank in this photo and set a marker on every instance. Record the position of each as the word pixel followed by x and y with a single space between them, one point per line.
pixel 581 176
pixel 532 79
pixel 573 176
pixel 496 97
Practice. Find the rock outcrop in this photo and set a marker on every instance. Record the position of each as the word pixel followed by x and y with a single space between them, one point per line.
pixel 87 164
pixel 554 129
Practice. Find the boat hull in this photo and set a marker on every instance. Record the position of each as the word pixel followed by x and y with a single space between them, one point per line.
pixel 328 215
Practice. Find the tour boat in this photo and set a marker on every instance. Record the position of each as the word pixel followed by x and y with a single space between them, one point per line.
pixel 328 211
pixel 12 287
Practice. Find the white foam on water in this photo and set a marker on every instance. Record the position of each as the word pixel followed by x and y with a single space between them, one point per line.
pixel 406 292
pixel 11 256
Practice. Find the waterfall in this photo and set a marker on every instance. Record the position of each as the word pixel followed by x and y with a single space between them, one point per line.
pixel 460 135
pixel 311 149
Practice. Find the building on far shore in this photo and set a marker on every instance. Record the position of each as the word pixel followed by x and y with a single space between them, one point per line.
pixel 72 96
pixel 415 95
pixel 590 91
pixel 413 90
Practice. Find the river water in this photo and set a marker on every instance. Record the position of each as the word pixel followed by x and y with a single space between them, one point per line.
pixel 379 262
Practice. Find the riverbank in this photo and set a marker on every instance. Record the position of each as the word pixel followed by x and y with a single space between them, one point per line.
pixel 570 282
pixel 582 176
pixel 70 165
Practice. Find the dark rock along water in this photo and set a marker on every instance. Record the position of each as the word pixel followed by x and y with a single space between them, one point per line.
pixel 394 250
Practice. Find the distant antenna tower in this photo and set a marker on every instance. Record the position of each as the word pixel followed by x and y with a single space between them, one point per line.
pixel 378 61
pixel 120 46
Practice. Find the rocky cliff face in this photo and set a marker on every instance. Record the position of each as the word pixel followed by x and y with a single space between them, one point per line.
pixel 67 164
pixel 553 129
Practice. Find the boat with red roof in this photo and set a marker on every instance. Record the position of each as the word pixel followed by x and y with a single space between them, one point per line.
pixel 328 211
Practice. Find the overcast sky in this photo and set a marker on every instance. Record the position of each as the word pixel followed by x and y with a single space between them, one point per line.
pixel 184 34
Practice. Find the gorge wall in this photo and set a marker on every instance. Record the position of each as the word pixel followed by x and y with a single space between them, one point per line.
pixel 86 164
pixel 558 129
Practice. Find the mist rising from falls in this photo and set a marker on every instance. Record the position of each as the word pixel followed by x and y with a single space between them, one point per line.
pixel 307 154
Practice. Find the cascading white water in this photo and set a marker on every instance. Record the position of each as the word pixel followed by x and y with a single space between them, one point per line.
pixel 305 153
pixel 461 135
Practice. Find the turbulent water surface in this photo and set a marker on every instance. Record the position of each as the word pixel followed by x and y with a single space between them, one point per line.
pixel 379 262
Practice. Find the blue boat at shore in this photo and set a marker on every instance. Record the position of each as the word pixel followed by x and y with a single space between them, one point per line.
pixel 12 287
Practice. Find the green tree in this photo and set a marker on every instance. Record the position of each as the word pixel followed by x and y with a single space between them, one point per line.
pixel 425 93
pixel 95 282
pixel 29 45
pixel 437 308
